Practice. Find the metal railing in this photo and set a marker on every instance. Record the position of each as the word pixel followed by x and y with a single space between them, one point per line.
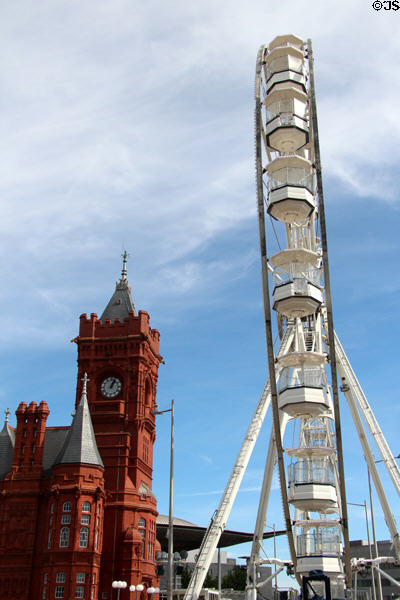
pixel 320 542
pixel 294 273
pixel 283 63
pixel 314 377
pixel 293 176
pixel 308 471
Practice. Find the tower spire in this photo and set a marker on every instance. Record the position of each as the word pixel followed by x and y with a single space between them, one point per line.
pixel 121 303
pixel 80 444
pixel 124 256
pixel 7 413
pixel 85 380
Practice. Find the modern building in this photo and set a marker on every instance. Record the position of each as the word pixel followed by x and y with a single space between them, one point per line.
pixel 187 540
pixel 361 549
pixel 76 504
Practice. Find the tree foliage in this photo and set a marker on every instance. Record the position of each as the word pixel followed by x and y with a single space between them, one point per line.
pixel 235 580
pixel 210 581
pixel 185 577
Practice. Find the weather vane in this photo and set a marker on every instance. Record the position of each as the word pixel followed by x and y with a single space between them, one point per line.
pixel 124 256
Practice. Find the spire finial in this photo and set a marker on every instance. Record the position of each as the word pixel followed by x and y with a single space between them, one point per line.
pixel 85 380
pixel 124 256
pixel 8 413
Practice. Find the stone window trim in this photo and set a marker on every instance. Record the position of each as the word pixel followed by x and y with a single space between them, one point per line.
pixel 67 506
pixel 64 537
pixel 59 591
pixel 85 519
pixel 84 537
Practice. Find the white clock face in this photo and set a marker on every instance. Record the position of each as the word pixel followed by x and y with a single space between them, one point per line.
pixel 111 387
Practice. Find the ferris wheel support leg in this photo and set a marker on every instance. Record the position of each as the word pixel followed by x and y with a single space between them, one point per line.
pixel 251 588
pixel 220 517
pixel 349 378
pixel 348 386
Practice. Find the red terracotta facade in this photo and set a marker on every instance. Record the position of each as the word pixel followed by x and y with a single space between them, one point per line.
pixel 67 530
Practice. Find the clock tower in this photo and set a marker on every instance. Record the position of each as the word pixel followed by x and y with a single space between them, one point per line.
pixel 120 354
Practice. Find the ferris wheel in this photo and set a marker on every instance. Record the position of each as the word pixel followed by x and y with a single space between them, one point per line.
pixel 303 386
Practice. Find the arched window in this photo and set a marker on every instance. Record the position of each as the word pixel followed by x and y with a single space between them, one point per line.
pixel 67 507
pixel 64 537
pixel 86 507
pixel 142 532
pixel 84 537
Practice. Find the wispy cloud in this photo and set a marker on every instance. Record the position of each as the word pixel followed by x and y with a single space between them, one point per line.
pixel 218 492
pixel 141 129
pixel 132 123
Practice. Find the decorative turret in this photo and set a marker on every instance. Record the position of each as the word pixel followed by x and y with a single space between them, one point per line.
pixel 74 515
pixel 30 434
pixel 7 442
pixel 80 444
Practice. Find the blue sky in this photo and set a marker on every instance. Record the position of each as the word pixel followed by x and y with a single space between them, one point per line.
pixel 130 124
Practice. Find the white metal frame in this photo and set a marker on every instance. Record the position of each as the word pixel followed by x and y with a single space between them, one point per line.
pixel 358 404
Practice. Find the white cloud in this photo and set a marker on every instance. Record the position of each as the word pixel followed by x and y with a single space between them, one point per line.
pixel 132 123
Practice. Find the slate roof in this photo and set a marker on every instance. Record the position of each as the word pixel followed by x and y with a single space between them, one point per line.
pixel 54 439
pixel 121 303
pixel 7 442
pixel 80 443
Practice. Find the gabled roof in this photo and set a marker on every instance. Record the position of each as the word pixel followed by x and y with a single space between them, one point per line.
pixel 7 443
pixel 80 444
pixel 121 303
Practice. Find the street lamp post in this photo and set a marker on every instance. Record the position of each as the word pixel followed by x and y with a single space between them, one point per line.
pixel 171 502
pixel 369 546
pixel 379 579
pixel 374 536
pixel 275 577
pixel 136 588
pixel 119 585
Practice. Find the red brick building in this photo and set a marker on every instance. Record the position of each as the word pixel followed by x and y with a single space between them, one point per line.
pixel 76 507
